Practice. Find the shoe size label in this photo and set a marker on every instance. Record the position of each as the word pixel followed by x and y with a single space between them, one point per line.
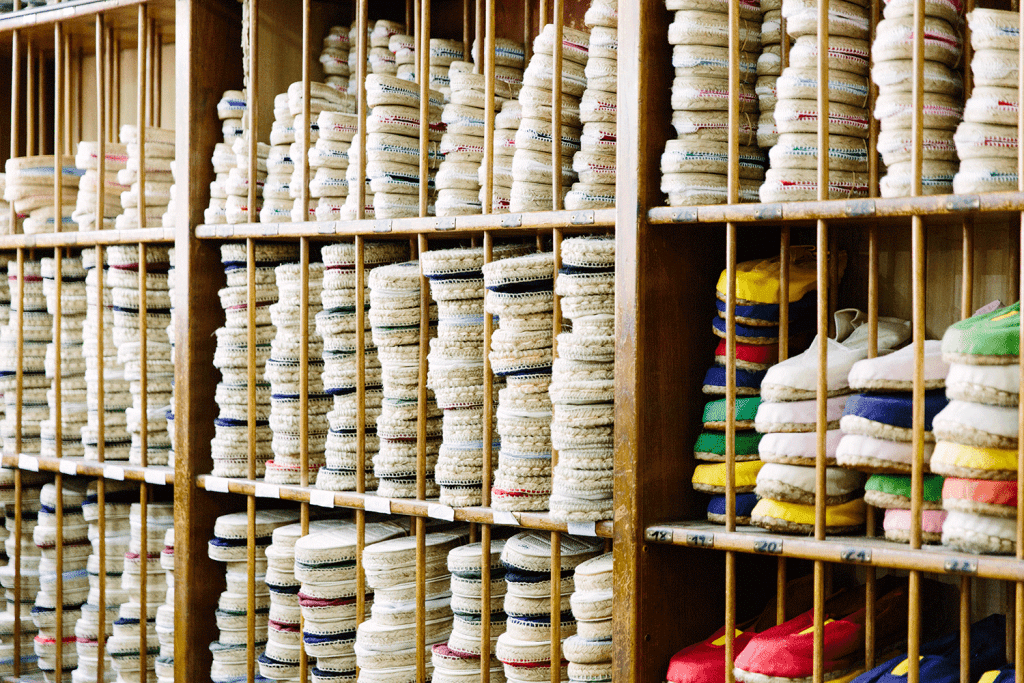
pixel 961 565
pixel 659 535
pixel 855 555
pixel 699 539
pixel 769 546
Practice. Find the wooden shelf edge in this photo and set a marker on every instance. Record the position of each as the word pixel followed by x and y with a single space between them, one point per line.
pixel 117 470
pixel 87 239
pixel 841 549
pixel 512 222
pixel 841 209
pixel 399 506
pixel 62 12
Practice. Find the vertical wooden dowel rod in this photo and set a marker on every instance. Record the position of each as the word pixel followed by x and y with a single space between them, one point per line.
pixel 965 629
pixel 143 353
pixel 421 598
pixel 58 127
pixel 250 310
pixel 58 365
pixel 730 378
pixel 19 387
pixel 914 627
pixel 467 27
pixel 873 290
pixel 250 616
pixel 304 361
pixel 556 313
pixel 967 273
pixel 869 617
pixel 780 591
pixel 818 673
pixel 65 100
pixel 485 601
pixel 361 110
pixel 558 7
pixel 143 578
pixel 101 159
pixel 487 49
pixel 421 396
pixel 424 53
pixel 360 312
pixel 42 106
pixel 15 115
pixel 307 123
pixel 488 407
pixel 58 484
pixel 158 77
pixel 527 29
pixel 730 615
pixel 556 608
pixel 784 257
pixel 252 108
pixel 140 113
pixel 31 99
pixel 821 423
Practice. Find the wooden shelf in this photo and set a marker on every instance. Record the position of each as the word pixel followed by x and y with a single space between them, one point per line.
pixel 87 239
pixel 400 506
pixel 120 470
pixel 69 12
pixel 573 221
pixel 842 549
pixel 841 209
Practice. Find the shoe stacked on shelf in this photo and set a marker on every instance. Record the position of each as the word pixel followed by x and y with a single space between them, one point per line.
pixel 159 149
pixel 768 69
pixel 893 73
pixel 277 197
pixel 695 165
pixel 123 276
pixel 37 331
pixel 116 389
pixel 532 164
pixel 788 418
pixel 229 545
pixel 460 656
pixel 29 188
pixel 236 184
pixel 167 220
pixel 334 58
pixel 582 387
pixel 793 175
pixel 877 428
pixel 230 446
pixel 595 162
pixel 386 642
pixel 520 291
pixel 143 556
pixel 456 368
pixel 165 614
pixel 403 47
pixel 336 324
pixel 329 161
pixel 283 372
pixel 87 158
pixel 324 180
pixel 72 398
pixel 73 537
pixel 393 145
pixel 458 184
pixel 116 532
pixel 525 647
pixel 325 565
pixel 976 434
pixel 443 54
pixel 589 651
pixel 32 484
pixel 283 618
pixel 757 350
pixel 987 140
pixel 283 621
pixel 5 211
pixel 506 125
pixel 395 324
pixel 380 57
pixel 231 111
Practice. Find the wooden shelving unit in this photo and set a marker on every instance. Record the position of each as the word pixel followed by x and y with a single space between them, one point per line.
pixel 677 578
